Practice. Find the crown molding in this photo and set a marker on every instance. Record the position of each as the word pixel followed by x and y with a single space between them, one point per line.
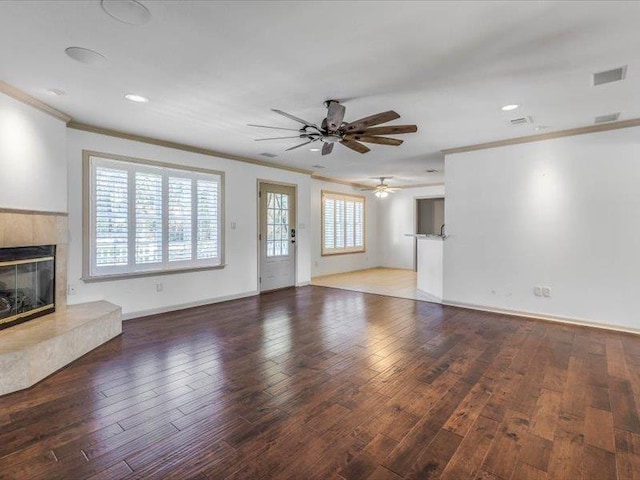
pixel 602 127
pixel 180 146
pixel 419 185
pixel 24 97
pixel 315 176
pixel 368 187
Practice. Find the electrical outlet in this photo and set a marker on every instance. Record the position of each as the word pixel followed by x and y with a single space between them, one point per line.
pixel 233 225
pixel 546 291
pixel 159 287
pixel 315 263
pixel 537 291
pixel 71 289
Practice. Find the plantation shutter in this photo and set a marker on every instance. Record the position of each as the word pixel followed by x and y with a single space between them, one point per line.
pixel 145 218
pixel 111 217
pixel 343 223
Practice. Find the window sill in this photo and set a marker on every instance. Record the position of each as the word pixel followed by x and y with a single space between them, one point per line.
pixel 331 254
pixel 124 276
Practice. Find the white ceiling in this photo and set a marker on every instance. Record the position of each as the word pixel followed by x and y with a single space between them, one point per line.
pixel 210 68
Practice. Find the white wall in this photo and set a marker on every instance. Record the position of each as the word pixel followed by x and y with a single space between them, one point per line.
pixel 562 213
pixel 238 278
pixel 342 263
pixel 397 217
pixel 33 158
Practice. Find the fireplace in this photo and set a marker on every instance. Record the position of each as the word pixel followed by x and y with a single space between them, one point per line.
pixel 27 283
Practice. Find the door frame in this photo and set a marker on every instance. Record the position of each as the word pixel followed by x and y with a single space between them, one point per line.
pixel 259 182
pixel 415 223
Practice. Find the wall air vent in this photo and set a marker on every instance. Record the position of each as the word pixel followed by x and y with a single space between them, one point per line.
pixel 609 76
pixel 521 121
pixel 269 155
pixel 612 117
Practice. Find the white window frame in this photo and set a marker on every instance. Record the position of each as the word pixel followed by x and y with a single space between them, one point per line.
pixel 344 197
pixel 92 272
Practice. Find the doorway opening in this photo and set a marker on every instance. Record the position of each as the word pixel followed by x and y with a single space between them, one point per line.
pixel 429 220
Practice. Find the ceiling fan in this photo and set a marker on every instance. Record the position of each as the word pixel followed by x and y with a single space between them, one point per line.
pixel 334 130
pixel 382 189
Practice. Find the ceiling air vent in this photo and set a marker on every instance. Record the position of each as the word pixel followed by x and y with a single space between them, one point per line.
pixel 609 76
pixel 612 117
pixel 269 155
pixel 521 121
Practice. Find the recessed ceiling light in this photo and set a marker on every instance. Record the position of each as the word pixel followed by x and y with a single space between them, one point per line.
pixel 432 170
pixel 84 55
pixel 126 11
pixel 314 149
pixel 541 127
pixel 136 98
pixel 318 166
pixel 55 92
pixel 508 108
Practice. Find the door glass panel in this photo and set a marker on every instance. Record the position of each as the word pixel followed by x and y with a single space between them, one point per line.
pixel 277 224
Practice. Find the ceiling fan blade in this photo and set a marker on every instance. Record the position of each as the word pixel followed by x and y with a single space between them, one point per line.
pixel 301 145
pixel 292 117
pixel 335 115
pixel 275 128
pixel 370 121
pixel 353 145
pixel 390 130
pixel 327 148
pixel 276 138
pixel 378 140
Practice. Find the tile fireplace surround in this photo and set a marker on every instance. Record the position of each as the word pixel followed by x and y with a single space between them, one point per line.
pixel 33 350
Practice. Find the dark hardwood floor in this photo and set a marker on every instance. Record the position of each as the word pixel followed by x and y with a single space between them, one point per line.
pixel 318 383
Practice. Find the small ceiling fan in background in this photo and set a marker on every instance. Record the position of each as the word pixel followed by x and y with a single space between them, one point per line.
pixel 334 130
pixel 381 190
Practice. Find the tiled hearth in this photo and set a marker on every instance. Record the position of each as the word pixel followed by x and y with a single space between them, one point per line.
pixel 33 350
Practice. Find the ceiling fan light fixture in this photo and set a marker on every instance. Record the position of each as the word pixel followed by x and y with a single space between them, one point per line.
pixel 381 194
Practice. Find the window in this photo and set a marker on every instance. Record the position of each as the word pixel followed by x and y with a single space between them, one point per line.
pixel 146 217
pixel 277 224
pixel 342 223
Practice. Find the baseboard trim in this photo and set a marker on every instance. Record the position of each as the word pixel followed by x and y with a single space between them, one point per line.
pixel 546 318
pixel 183 306
pixel 303 284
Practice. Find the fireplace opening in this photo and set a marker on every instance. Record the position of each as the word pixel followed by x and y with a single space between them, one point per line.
pixel 27 283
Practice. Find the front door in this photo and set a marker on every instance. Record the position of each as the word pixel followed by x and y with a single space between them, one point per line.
pixel 277 236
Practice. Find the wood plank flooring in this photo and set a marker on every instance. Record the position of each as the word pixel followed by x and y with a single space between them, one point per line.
pixel 320 383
